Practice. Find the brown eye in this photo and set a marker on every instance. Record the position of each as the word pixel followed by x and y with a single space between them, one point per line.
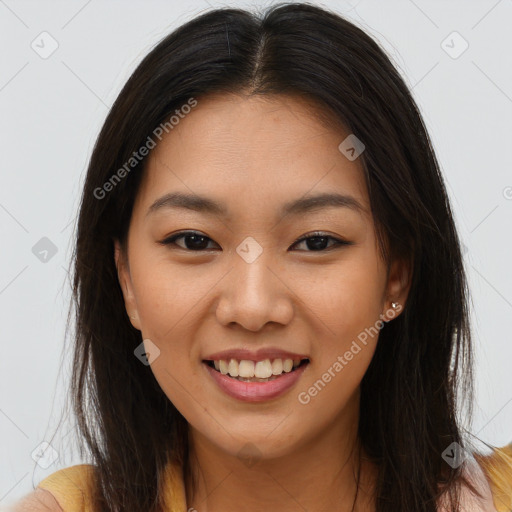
pixel 193 241
pixel 318 242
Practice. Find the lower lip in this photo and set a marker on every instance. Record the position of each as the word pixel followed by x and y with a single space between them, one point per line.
pixel 256 391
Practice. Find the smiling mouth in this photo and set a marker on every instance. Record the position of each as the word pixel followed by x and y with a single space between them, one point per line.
pixel 256 371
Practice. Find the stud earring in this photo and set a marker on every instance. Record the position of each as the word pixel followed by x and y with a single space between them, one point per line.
pixel 394 305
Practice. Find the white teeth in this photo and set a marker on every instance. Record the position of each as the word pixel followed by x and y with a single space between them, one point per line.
pixel 233 368
pixel 223 366
pixel 246 369
pixel 263 369
pixel 287 365
pixel 277 367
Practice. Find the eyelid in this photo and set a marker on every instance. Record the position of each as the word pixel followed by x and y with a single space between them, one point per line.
pixel 170 240
pixel 314 234
pixel 322 234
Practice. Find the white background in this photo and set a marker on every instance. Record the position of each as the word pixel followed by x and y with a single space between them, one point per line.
pixel 52 110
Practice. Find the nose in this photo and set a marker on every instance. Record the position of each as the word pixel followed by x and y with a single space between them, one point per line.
pixel 255 294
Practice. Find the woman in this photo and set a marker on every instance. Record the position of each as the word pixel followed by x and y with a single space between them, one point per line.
pixel 271 299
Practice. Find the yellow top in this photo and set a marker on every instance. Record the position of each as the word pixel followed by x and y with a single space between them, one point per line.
pixel 71 486
pixel 498 468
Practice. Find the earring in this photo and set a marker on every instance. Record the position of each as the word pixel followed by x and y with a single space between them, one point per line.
pixel 394 305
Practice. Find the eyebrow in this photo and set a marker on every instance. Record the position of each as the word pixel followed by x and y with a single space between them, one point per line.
pixel 296 207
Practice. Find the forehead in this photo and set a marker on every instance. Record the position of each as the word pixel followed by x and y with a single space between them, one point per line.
pixel 252 151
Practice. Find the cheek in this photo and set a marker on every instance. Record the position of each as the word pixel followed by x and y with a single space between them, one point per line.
pixel 346 314
pixel 169 302
pixel 344 298
pixel 169 296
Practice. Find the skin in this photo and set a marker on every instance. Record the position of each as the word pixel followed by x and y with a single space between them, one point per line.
pixel 38 500
pixel 253 155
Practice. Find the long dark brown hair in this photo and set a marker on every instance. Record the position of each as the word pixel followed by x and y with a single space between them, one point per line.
pixel 420 378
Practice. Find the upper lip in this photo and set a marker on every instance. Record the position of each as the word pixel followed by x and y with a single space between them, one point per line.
pixel 254 355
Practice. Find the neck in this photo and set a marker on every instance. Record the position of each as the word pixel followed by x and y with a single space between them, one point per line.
pixel 309 477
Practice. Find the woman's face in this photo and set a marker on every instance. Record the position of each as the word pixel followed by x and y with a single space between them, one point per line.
pixel 245 288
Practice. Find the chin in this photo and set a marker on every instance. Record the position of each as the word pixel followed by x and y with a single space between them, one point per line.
pixel 251 446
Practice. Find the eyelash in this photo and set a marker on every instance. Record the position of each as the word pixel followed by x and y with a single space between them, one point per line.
pixel 316 234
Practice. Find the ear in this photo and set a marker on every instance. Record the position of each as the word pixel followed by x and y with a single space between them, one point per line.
pixel 123 274
pixel 397 288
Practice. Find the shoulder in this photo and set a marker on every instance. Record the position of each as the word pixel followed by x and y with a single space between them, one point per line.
pixel 37 500
pixel 497 468
pixel 475 476
pixel 66 490
pixel 79 475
